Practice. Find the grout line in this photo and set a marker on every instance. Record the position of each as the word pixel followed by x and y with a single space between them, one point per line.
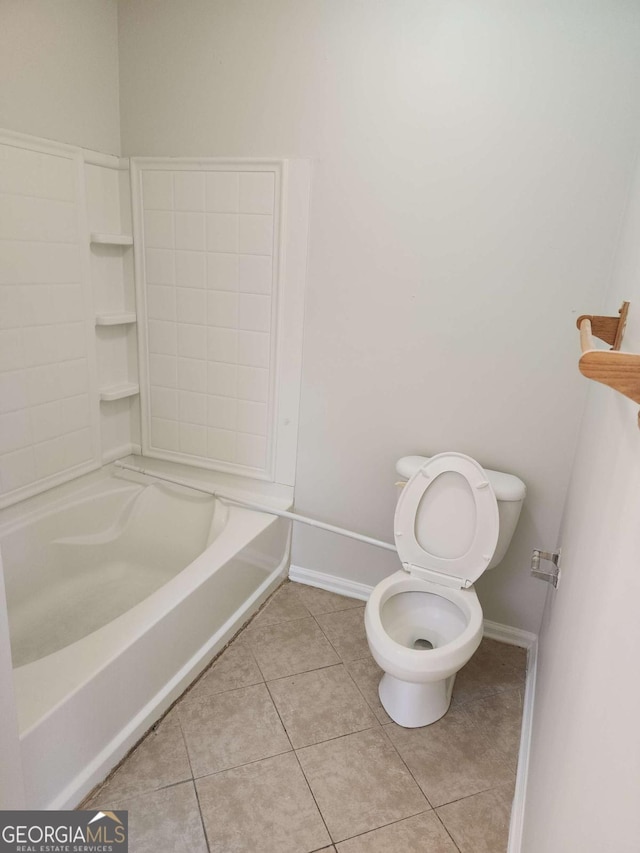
pixel 40 197
pixel 339 737
pixel 433 808
pixel 391 823
pixel 97 789
pixel 460 799
pixel 313 797
pixel 305 671
pixel 213 696
pixel 406 766
pixel 367 703
pixel 202 823
pixel 276 624
pixel 255 660
pixel 469 796
pixel 203 211
pixel 275 708
pixel 164 787
pixel 240 766
pixel 174 249
pixel 376 725
pixel 77 241
pixel 137 795
pixel 482 791
pixel 186 745
pixel 174 210
pixel 328 639
pixel 444 826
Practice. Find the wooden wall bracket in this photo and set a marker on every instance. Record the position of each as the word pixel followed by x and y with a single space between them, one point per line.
pixel 618 370
pixel 608 329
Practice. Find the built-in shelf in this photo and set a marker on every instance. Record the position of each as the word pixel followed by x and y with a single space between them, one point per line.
pixel 122 318
pixel 112 239
pixel 119 392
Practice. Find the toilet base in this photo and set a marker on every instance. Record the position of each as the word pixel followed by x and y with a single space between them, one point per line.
pixel 413 705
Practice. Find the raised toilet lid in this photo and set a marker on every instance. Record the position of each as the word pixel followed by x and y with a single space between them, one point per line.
pixel 446 522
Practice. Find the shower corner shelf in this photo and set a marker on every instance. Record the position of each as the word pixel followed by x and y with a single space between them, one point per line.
pixel 111 239
pixel 618 370
pixel 121 318
pixel 119 392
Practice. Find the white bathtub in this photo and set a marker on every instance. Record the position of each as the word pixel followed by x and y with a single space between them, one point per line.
pixel 119 593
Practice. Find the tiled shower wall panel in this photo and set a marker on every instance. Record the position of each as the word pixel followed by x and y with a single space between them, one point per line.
pixel 46 417
pixel 210 258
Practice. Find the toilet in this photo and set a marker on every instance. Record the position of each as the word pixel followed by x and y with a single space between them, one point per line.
pixel 453 521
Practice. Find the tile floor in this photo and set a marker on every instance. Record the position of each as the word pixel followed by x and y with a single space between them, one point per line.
pixel 282 746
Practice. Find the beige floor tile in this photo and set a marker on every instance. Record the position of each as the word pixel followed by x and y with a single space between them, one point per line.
pixel 257 797
pixel 319 705
pixel 231 729
pixel 266 807
pixel 167 820
pixel 290 647
pixel 450 759
pixel 345 630
pixel 283 606
pixel 160 760
pixel 514 656
pixel 480 824
pixel 422 833
pixel 499 718
pixel 493 668
pixel 319 601
pixel 359 783
pixel 235 668
pixel 367 674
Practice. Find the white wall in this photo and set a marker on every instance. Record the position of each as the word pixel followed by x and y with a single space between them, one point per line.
pixel 471 165
pixel 59 71
pixel 584 781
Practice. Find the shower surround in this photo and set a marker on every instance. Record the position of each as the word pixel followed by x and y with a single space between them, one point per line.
pixel 148 306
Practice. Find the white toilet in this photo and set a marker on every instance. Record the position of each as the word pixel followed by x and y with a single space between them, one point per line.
pixel 453 520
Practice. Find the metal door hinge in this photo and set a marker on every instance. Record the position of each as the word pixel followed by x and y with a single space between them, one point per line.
pixel 552 574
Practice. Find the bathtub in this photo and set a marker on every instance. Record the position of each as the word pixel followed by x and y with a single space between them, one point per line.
pixel 120 590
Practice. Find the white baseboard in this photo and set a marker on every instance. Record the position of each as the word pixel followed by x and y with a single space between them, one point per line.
pixel 353 589
pixel 507 634
pixel 522 775
pixel 493 630
pixel 332 583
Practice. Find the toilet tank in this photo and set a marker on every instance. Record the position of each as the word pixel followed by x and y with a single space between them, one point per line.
pixel 509 490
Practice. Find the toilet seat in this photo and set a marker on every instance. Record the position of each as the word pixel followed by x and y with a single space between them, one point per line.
pixel 455 519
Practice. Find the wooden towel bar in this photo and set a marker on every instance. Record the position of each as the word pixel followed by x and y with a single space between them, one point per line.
pixel 618 370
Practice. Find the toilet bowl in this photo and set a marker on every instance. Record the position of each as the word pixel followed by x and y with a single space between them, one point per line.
pixel 453 520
